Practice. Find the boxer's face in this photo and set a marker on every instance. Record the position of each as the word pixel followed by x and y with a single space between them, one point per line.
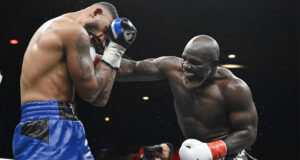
pixel 196 69
pixel 97 26
pixel 97 29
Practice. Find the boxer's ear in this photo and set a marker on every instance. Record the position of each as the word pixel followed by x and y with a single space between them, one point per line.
pixel 97 11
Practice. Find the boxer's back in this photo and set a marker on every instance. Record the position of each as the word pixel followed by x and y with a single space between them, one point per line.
pixel 44 72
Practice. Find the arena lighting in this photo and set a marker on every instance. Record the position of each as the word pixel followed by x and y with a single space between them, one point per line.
pixel 13 41
pixel 0 77
pixel 145 98
pixel 234 66
pixel 106 119
pixel 231 56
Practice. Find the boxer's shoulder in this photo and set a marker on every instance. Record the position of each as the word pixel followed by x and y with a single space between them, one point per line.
pixel 231 84
pixel 65 27
pixel 236 92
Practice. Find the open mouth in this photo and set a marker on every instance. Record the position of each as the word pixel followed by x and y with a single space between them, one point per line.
pixel 191 83
pixel 188 74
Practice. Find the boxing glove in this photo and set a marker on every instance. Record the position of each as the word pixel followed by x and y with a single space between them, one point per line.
pixel 0 77
pixel 192 149
pixel 122 34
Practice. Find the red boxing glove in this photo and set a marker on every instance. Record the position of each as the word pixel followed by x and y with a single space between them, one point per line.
pixel 218 149
pixel 97 59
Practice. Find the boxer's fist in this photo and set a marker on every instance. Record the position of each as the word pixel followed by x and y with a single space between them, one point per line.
pixel 194 149
pixel 122 32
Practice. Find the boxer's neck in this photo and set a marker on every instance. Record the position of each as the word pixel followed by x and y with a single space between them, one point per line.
pixel 78 17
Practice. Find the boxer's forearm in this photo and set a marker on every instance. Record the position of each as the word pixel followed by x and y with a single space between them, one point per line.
pixel 102 76
pixel 126 70
pixel 239 140
pixel 104 95
pixel 145 70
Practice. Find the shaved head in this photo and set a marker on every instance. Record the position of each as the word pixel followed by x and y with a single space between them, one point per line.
pixel 109 7
pixel 204 46
pixel 200 60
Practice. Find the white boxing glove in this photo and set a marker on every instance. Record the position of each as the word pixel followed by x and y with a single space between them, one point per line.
pixel 112 55
pixel 95 57
pixel 0 77
pixel 192 149
pixel 93 52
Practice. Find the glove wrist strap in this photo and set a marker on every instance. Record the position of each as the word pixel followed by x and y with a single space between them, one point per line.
pixel 113 55
pixel 218 149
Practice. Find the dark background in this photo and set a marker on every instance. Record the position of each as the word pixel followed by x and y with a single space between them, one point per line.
pixel 264 34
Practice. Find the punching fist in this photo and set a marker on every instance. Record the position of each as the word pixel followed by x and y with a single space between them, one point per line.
pixel 192 149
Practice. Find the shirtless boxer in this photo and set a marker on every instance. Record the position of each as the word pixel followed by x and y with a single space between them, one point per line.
pixel 214 108
pixel 58 61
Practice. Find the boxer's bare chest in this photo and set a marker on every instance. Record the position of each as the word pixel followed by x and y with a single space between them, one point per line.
pixel 203 105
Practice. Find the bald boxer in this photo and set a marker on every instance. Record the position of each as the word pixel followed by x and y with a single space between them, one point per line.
pixel 58 61
pixel 214 108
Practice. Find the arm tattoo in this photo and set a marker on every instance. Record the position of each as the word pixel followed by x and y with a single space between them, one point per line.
pixel 83 58
pixel 103 76
pixel 105 93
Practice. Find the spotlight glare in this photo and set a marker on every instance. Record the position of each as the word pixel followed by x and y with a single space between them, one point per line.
pixel 106 119
pixel 234 66
pixel 231 56
pixel 145 98
pixel 13 41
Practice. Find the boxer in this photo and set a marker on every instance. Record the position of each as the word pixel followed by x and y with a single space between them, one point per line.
pixel 58 61
pixel 214 108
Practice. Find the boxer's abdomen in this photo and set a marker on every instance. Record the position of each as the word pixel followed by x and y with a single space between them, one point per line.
pixel 53 84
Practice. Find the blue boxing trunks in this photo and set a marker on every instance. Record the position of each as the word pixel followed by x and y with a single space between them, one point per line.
pixel 50 130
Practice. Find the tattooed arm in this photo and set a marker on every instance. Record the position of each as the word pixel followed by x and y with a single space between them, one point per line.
pixel 103 97
pixel 92 84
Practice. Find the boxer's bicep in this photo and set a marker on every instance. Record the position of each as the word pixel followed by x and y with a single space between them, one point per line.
pixel 80 65
pixel 242 117
pixel 241 106
pixel 150 68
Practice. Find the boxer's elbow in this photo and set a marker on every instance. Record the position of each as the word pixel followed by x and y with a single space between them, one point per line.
pixel 87 91
pixel 125 75
pixel 99 102
pixel 252 134
pixel 94 99
pixel 240 140
pixel 248 137
pixel 88 97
